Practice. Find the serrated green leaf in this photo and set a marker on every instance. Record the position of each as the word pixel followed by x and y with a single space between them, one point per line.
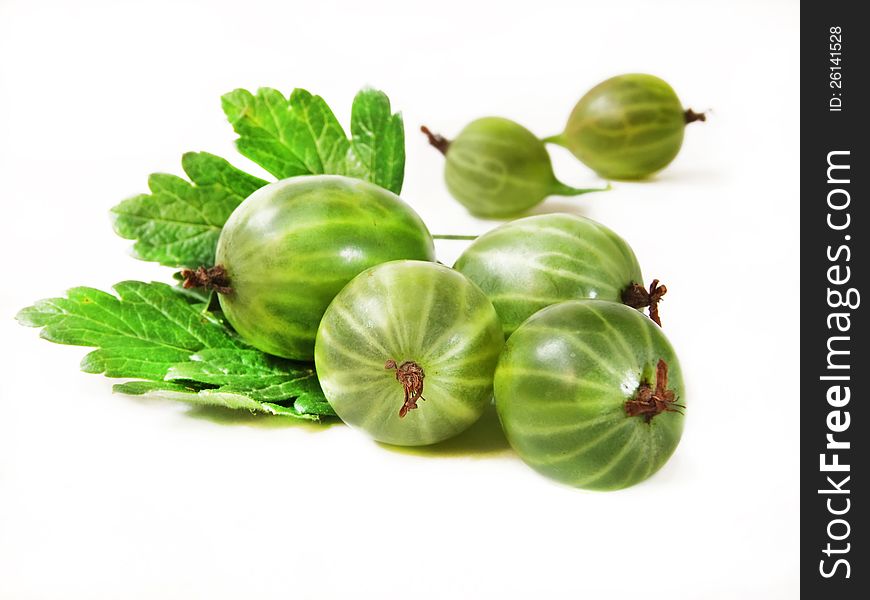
pixel 141 332
pixel 316 134
pixel 179 222
pixel 300 135
pixel 194 295
pixel 378 139
pixel 173 391
pixel 314 404
pixel 260 376
pixel 153 331
pixel 265 125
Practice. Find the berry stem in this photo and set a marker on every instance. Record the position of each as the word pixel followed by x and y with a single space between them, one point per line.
pixel 448 236
pixel 636 296
pixel 560 189
pixel 439 142
pixel 559 140
pixel 411 376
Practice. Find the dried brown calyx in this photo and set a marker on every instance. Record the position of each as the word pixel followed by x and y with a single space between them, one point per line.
pixel 410 375
pixel 439 142
pixel 636 296
pixel 649 402
pixel 214 278
pixel 691 116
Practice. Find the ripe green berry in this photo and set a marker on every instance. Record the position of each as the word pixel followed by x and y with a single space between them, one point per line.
pixel 292 245
pixel 407 352
pixel 590 393
pixel 530 263
pixel 627 127
pixel 498 168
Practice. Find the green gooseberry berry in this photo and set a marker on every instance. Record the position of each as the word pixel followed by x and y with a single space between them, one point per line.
pixel 627 127
pixel 497 168
pixel 407 352
pixel 291 246
pixel 590 393
pixel 533 262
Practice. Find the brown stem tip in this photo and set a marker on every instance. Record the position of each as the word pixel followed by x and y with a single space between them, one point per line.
pixel 636 296
pixel 649 402
pixel 439 142
pixel 691 116
pixel 410 375
pixel 214 278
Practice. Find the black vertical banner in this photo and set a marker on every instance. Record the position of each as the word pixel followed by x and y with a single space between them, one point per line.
pixel 835 224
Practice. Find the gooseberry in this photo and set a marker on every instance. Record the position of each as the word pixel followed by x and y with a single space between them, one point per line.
pixel 530 263
pixel 590 393
pixel 498 168
pixel 627 127
pixel 289 248
pixel 407 352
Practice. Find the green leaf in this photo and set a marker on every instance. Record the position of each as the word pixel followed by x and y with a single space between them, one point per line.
pixel 314 404
pixel 260 376
pixel 153 331
pixel 300 135
pixel 179 222
pixel 141 332
pixel 193 295
pixel 378 139
pixel 316 133
pixel 265 124
pixel 173 391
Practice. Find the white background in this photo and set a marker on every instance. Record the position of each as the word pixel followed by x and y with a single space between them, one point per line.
pixel 106 496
